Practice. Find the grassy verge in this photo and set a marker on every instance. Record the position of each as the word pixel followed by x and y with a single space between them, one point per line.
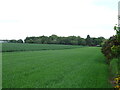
pixel 114 72
pixel 114 67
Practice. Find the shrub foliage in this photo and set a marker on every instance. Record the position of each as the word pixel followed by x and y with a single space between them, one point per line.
pixel 108 47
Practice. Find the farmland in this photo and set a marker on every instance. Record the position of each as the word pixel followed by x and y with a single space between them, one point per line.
pixel 11 47
pixel 66 68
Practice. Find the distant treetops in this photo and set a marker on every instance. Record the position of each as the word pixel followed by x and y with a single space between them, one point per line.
pixel 70 40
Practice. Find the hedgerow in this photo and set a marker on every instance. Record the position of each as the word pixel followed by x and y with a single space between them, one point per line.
pixel 108 49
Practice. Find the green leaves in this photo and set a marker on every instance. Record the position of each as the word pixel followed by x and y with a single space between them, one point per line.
pixel 109 48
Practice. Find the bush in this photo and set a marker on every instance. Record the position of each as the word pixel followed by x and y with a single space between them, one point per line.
pixel 108 49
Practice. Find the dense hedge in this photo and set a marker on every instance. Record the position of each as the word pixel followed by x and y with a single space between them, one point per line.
pixel 109 48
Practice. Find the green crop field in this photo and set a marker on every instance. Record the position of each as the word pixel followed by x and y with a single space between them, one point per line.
pixel 69 68
pixel 11 47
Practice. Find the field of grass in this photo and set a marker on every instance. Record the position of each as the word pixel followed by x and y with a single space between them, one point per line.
pixel 68 68
pixel 11 47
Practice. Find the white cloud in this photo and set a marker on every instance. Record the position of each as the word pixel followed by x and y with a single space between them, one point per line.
pixel 21 18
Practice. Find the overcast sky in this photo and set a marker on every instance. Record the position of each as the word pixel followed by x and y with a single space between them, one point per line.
pixel 22 18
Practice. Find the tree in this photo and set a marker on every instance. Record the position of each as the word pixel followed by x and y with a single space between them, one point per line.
pixel 83 42
pixel 88 40
pixel 13 41
pixel 53 39
pixel 20 41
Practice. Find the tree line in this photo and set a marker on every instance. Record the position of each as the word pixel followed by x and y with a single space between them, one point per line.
pixel 54 39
